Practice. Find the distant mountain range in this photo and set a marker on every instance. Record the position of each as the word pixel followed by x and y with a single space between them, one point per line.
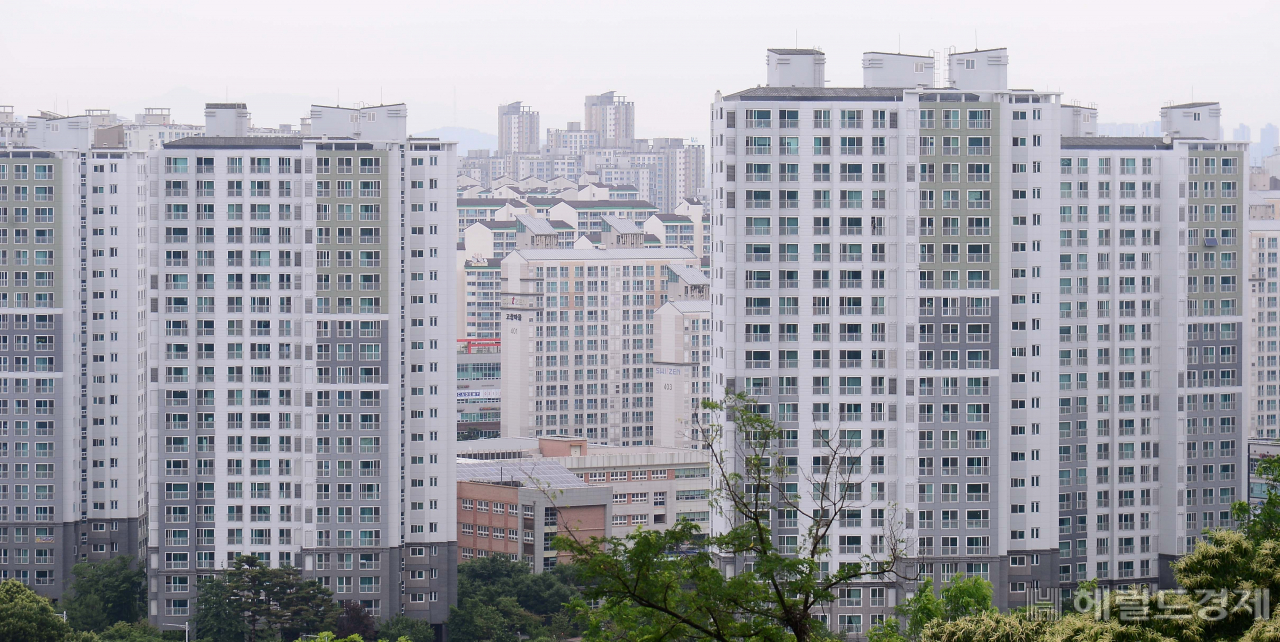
pixel 466 138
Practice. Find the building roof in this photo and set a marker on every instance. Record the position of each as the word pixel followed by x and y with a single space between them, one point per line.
pixel 496 203
pixel 621 226
pixel 239 142
pixel 1190 105
pixel 673 217
pixel 226 106
pixel 885 53
pixel 356 108
pixel 588 205
pixel 690 306
pixel 690 275
pixel 535 225
pixel 540 473
pixel 544 200
pixel 1115 142
pixel 817 93
pixel 693 200
pixel 974 51
pixel 652 253
pixel 795 52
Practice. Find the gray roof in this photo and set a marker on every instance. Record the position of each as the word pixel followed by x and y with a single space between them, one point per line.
pixel 544 200
pixel 621 226
pixel 885 53
pixel 1190 105
pixel 535 225
pixel 690 275
pixel 691 306
pixel 539 473
pixel 583 205
pixel 497 203
pixel 652 253
pixel 817 93
pixel 1114 142
pixel 240 142
pixel 795 52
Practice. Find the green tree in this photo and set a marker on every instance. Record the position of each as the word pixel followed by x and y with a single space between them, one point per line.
pixel 131 632
pixel 103 593
pixel 1230 560
pixel 355 620
pixel 966 596
pixel 921 609
pixel 269 602
pixel 218 616
pixel 987 626
pixel 402 626
pixel 27 617
pixel 1260 521
pixel 963 597
pixel 670 584
pixel 491 577
pixel 499 620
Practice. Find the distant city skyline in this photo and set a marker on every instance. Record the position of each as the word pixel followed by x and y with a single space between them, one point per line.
pixel 480 56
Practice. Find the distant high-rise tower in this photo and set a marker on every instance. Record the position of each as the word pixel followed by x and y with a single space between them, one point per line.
pixel 1268 139
pixel 614 117
pixel 517 129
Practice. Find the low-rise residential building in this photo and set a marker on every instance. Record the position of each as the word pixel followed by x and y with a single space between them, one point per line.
pixel 652 487
pixel 517 508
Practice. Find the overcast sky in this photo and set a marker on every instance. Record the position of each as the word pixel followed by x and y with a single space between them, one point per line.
pixel 668 56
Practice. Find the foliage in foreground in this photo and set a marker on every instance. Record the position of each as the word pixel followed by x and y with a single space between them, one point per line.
pixel 27 617
pixel 660 585
pixel 105 593
pixel 252 601
pixel 500 600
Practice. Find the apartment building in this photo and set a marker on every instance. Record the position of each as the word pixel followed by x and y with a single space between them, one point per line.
pixel 268 390
pixel 682 365
pixel 589 312
pixel 72 361
pixel 1128 301
pixel 839 218
pixel 1124 203
pixel 1260 345
pixel 612 117
pixel 518 129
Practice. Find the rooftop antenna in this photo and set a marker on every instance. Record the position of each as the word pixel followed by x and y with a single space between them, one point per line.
pixel 797 38
pixel 899 42
pixel 975 39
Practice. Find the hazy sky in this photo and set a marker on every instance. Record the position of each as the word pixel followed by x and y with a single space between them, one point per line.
pixel 669 56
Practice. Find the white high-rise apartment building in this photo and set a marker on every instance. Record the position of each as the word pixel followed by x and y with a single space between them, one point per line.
pixel 299 358
pixel 259 330
pixel 518 130
pixel 612 117
pixel 896 242
pixel 72 361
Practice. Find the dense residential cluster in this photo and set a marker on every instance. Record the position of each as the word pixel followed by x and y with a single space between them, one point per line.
pixel 354 351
